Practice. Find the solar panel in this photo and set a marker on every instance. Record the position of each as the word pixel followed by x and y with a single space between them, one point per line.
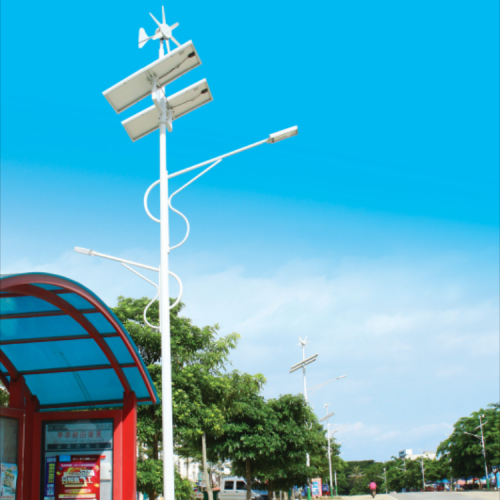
pixel 166 69
pixel 181 103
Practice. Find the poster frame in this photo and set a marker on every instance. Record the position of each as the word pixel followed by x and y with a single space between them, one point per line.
pixel 20 416
pixel 44 417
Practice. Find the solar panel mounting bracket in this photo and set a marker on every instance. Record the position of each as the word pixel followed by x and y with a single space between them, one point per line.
pixel 160 102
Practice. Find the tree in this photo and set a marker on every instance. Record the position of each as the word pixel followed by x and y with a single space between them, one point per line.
pixel 268 441
pixel 245 437
pixel 465 451
pixel 4 395
pixel 358 478
pixel 193 349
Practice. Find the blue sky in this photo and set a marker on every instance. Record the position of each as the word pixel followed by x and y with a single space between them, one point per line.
pixel 374 232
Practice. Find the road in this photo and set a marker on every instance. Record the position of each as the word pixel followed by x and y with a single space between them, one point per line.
pixel 437 495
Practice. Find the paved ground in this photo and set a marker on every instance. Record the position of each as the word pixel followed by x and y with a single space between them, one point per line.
pixel 435 495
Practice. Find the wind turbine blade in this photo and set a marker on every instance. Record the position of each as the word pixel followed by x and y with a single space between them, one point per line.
pixel 155 20
pixel 174 26
pixel 163 14
pixel 175 41
pixel 143 38
pixel 168 45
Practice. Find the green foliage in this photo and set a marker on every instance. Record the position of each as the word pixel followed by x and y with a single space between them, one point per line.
pixel 183 488
pixel 465 451
pixel 4 395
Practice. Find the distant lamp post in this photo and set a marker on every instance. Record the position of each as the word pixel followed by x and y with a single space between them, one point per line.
pixel 481 438
pixel 384 477
pixel 302 364
pixel 423 468
pixel 327 417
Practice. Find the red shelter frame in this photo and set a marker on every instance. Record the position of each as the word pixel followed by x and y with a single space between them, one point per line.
pixel 31 414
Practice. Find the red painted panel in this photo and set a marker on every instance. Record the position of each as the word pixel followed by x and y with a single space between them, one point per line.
pixel 18 393
pixel 31 407
pixel 129 446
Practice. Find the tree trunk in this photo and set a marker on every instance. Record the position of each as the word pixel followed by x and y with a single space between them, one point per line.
pixel 249 479
pixel 205 467
pixel 270 491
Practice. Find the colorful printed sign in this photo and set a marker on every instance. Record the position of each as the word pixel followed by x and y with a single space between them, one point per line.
pixel 8 481
pixel 316 487
pixel 50 478
pixel 79 478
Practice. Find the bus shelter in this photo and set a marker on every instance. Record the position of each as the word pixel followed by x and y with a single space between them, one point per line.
pixel 75 379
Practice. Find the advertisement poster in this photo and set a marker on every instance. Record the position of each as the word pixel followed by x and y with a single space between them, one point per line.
pixel 316 487
pixel 50 478
pixel 8 481
pixel 78 478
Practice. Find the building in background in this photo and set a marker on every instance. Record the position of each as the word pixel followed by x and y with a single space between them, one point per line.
pixel 193 470
pixel 408 455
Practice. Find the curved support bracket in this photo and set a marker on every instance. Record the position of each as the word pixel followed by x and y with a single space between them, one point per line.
pixel 180 289
pixel 146 201
pixel 144 315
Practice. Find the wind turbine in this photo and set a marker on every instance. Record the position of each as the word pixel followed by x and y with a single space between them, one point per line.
pixel 163 32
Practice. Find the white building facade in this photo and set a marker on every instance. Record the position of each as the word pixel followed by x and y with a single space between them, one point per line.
pixel 409 455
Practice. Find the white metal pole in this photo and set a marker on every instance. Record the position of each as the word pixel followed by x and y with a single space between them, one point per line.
pixel 166 370
pixel 336 491
pixel 305 391
pixel 329 457
pixel 484 452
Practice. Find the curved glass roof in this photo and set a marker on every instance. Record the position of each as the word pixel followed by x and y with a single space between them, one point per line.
pixel 71 349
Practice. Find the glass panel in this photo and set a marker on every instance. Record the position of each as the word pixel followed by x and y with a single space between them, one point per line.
pixel 77 453
pixel 9 435
pixel 241 485
pixel 229 485
pixel 76 301
pixel 15 305
pixel 57 354
pixel 101 324
pixel 73 387
pixel 119 349
pixel 44 326
pixel 136 381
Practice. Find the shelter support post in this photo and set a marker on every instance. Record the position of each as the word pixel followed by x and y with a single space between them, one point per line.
pixel 18 393
pixel 32 406
pixel 129 446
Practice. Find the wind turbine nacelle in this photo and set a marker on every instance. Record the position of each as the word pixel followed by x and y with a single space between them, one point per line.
pixel 143 38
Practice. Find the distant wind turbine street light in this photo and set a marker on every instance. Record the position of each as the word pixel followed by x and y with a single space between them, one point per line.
pixel 327 417
pixel 302 364
pixel 481 438
pixel 151 81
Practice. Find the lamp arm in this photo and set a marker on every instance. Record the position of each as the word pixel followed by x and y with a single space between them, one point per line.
pixel 221 157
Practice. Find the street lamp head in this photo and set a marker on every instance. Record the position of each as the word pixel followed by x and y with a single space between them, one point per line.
pixel 84 251
pixel 283 134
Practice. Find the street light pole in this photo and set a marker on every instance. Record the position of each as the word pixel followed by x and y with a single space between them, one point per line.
pixel 484 451
pixel 423 469
pixel 329 450
pixel 481 438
